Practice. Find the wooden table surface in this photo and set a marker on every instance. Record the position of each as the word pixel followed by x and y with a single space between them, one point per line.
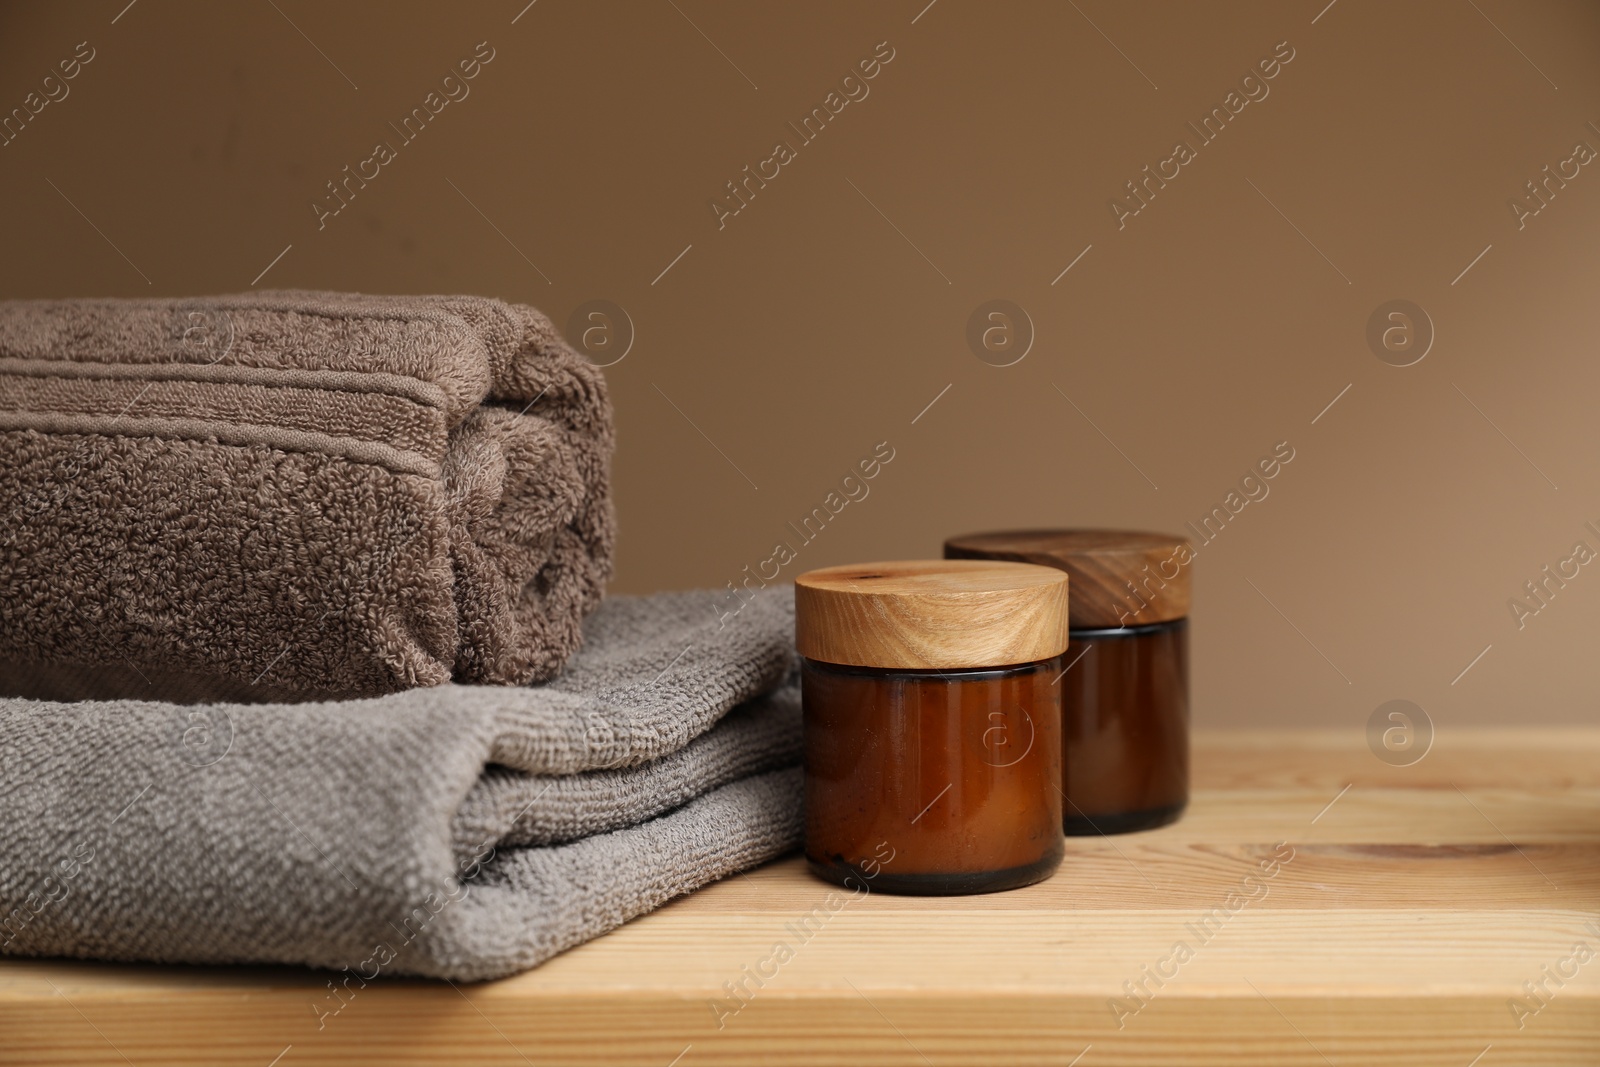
pixel 1410 907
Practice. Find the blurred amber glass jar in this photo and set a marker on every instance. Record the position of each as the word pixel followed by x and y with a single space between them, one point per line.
pixel 932 724
pixel 1125 686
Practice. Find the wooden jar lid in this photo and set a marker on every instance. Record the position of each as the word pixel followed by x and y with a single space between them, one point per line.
pixel 1119 577
pixel 931 614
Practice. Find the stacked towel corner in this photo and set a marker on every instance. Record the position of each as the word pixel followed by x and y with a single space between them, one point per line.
pixel 295 494
pixel 463 832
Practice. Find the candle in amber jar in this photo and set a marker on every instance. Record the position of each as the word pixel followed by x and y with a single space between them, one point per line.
pixel 932 724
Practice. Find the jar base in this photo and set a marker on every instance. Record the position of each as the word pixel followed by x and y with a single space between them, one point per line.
pixel 959 883
pixel 1121 822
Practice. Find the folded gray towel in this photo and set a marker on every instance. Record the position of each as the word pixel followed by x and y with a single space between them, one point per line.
pixel 459 831
pixel 300 492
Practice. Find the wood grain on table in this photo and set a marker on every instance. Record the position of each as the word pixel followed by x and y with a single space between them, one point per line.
pixel 1407 910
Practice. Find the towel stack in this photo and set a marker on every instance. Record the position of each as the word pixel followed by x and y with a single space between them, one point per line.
pixel 257 546
pixel 461 831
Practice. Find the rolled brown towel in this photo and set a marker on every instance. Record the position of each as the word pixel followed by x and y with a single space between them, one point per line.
pixel 274 493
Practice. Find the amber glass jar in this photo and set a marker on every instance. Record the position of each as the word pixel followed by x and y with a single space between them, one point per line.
pixel 932 724
pixel 1125 676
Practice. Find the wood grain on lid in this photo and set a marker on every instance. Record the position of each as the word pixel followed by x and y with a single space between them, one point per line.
pixel 1119 577
pixel 931 614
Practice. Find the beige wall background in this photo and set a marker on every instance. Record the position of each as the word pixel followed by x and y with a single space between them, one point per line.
pixel 773 350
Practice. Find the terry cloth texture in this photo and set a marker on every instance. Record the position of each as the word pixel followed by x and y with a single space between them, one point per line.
pixel 464 832
pixel 296 493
